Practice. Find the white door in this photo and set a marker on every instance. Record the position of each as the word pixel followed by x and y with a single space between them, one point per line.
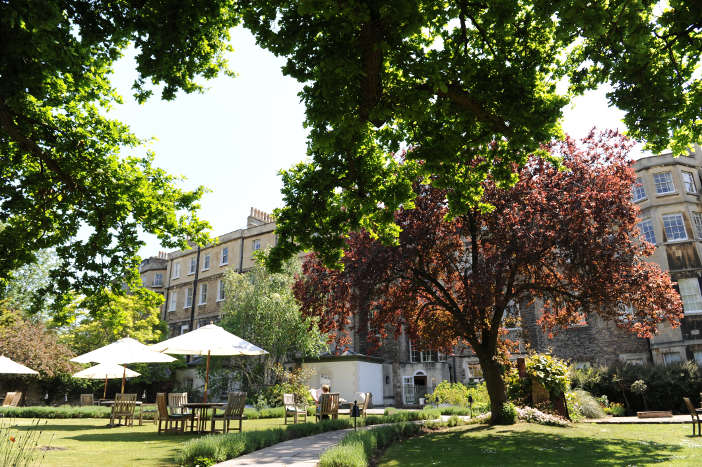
pixel 408 389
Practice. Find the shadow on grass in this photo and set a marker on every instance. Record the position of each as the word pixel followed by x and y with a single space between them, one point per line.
pixel 481 446
pixel 62 427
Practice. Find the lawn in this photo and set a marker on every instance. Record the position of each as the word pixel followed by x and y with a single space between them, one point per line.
pixel 89 442
pixel 529 444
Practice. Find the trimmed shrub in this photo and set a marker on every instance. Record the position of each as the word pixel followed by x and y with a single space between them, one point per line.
pixel 357 448
pixel 509 415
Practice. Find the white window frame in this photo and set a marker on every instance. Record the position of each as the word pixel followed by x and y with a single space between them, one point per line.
pixel 638 191
pixel 660 183
pixel 688 179
pixel 224 256
pixel 188 298
pixel 157 283
pixel 220 290
pixel 682 223
pixel 690 294
pixel 176 271
pixel 203 294
pixel 184 328
pixel 668 360
pixel 172 301
pixel 412 352
pixel 643 232
pixel 256 244
pixel 206 262
pixel 697 223
pixel 193 266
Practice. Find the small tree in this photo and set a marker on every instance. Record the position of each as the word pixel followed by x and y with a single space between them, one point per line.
pixel 566 236
pixel 261 308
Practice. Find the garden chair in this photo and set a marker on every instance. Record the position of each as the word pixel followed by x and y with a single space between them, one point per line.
pixel 86 399
pixel 328 405
pixel 367 398
pixel 176 401
pixel 233 411
pixel 170 419
pixel 695 417
pixel 123 408
pixel 12 399
pixel 292 409
pixel 152 412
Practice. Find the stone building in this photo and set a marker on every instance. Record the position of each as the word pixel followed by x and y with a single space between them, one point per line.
pixel 668 193
pixel 191 280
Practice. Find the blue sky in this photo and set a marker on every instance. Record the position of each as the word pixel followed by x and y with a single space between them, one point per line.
pixel 235 137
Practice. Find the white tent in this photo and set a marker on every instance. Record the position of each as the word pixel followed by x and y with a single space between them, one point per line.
pixel 8 366
pixel 208 340
pixel 123 351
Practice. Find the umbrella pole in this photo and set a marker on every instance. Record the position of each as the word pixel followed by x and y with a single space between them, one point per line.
pixel 207 374
pixel 104 393
pixel 124 377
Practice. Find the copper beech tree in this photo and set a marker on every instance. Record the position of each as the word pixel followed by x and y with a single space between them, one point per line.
pixel 566 237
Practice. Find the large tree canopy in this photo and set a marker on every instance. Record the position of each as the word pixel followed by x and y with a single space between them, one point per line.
pixel 61 169
pixel 566 237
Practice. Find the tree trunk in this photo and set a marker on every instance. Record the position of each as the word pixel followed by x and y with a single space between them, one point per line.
pixel 493 372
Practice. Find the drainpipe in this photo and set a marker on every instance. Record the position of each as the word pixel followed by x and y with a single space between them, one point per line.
pixel 192 305
pixel 241 254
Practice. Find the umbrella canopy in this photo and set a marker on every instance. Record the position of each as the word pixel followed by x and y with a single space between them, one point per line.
pixel 8 366
pixel 123 351
pixel 208 340
pixel 106 371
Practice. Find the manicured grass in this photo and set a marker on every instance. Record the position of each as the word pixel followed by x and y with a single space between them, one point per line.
pixel 88 442
pixel 530 444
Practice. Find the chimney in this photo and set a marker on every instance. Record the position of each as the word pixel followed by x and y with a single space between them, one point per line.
pixel 258 217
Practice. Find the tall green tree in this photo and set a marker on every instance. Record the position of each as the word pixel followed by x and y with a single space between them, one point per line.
pixel 20 289
pixel 112 317
pixel 261 308
pixel 64 166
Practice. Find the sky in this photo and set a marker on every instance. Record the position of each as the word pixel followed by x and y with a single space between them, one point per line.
pixel 236 136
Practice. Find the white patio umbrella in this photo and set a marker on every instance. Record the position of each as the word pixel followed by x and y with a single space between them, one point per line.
pixel 8 366
pixel 123 351
pixel 208 340
pixel 107 371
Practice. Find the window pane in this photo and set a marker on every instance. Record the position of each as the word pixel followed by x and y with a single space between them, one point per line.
pixel 689 182
pixel 690 295
pixel 225 255
pixel 638 192
pixel 646 229
pixel 671 357
pixel 674 227
pixel 663 182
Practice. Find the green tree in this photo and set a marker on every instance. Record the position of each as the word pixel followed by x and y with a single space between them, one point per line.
pixel 21 287
pixel 64 166
pixel 261 308
pixel 113 317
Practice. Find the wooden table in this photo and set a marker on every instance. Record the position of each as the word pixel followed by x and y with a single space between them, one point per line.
pixel 201 408
pixel 110 403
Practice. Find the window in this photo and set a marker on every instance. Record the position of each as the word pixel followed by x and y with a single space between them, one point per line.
pixel 192 266
pixel 442 357
pixel 664 183
pixel 697 222
pixel 646 229
pixel 413 354
pixel 173 300
pixel 634 361
pixel 206 262
pixel 188 297
pixel 203 294
pixel 698 356
pixel 690 295
pixel 176 270
pixel 429 356
pixel 224 259
pixel 638 192
pixel 474 370
pixel 674 227
pixel 158 279
pixel 671 357
pixel 220 290
pixel 256 244
pixel 689 182
pixel 184 328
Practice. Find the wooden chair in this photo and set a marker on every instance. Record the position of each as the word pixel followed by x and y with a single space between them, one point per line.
pixel 86 399
pixel 123 408
pixel 292 409
pixel 368 397
pixel 169 418
pixel 328 405
pixel 176 400
pixel 233 411
pixel 694 415
pixel 12 399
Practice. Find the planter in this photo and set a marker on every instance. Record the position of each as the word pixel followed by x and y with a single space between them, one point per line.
pixel 655 414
